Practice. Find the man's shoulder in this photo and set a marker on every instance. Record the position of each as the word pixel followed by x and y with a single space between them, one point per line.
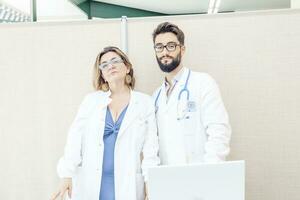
pixel 156 93
pixel 202 76
pixel 203 82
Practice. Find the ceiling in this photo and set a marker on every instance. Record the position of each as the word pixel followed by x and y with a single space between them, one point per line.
pixel 249 5
pixel 198 6
pixel 164 6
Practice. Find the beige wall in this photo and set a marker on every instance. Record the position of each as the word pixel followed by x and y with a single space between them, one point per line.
pixel 45 69
pixel 295 3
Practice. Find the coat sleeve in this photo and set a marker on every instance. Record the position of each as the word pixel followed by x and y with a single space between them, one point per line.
pixel 150 147
pixel 67 165
pixel 216 123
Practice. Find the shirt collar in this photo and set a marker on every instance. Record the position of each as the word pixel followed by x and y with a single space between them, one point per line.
pixel 176 78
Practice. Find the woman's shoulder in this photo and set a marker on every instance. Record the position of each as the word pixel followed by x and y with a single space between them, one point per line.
pixel 144 102
pixel 142 96
pixel 94 97
pixel 96 94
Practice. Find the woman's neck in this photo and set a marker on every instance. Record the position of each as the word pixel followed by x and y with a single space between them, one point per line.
pixel 118 89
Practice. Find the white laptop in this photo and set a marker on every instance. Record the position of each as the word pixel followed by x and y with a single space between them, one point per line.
pixel 220 181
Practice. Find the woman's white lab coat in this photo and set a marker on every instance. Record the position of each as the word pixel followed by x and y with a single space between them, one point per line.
pixel 204 136
pixel 84 149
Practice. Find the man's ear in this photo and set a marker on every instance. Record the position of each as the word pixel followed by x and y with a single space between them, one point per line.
pixel 182 50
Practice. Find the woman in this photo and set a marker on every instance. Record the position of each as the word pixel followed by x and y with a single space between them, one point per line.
pixel 113 139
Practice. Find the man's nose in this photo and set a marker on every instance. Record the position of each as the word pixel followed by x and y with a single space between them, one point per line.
pixel 165 52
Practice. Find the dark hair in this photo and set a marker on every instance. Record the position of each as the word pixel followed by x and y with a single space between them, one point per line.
pixel 167 27
pixel 98 80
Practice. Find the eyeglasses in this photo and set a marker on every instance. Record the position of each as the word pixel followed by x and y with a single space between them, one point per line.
pixel 170 46
pixel 104 65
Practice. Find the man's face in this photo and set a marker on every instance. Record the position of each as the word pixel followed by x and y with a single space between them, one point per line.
pixel 168 51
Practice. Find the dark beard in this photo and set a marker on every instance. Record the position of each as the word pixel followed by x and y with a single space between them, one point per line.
pixel 169 67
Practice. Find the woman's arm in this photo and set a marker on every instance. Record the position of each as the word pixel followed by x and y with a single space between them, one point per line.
pixel 150 147
pixel 68 164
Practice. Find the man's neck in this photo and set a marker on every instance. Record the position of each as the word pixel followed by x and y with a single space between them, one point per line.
pixel 172 74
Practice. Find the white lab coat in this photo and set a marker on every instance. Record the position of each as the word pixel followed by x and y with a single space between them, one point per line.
pixel 83 154
pixel 205 136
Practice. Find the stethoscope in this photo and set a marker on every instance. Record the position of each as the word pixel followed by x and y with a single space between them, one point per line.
pixel 181 108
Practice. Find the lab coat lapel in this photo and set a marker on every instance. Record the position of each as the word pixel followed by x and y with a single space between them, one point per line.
pixel 101 106
pixel 173 99
pixel 131 114
pixel 162 101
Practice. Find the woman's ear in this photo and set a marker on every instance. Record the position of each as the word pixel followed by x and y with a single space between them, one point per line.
pixel 103 77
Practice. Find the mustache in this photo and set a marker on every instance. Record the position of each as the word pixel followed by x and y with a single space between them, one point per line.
pixel 165 57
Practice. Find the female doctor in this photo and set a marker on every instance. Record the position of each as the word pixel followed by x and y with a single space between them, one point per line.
pixel 113 139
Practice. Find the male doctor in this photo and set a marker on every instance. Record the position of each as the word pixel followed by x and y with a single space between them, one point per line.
pixel 193 125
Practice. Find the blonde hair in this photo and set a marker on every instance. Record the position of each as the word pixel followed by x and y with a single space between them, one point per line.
pixel 98 81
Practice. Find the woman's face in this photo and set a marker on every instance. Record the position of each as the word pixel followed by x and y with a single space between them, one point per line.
pixel 113 68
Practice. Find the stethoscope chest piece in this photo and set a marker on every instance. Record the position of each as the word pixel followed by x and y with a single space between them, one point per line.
pixel 184 105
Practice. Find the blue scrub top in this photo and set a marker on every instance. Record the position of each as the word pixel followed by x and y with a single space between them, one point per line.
pixel 111 130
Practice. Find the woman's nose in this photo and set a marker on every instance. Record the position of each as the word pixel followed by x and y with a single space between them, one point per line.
pixel 111 66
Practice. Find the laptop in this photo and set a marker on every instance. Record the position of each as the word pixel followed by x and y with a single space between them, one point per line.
pixel 219 181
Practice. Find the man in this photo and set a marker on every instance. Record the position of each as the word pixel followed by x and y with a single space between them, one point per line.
pixel 193 125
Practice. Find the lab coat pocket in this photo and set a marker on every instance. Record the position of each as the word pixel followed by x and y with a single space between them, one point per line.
pixel 189 130
pixel 189 124
pixel 140 131
pixel 142 123
pixel 140 193
pixel 76 185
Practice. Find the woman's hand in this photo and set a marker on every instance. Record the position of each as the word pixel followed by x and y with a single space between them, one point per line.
pixel 146 191
pixel 65 185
